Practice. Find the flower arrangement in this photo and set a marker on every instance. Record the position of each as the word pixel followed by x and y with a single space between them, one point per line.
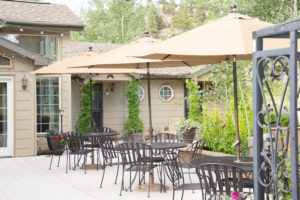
pixel 58 139
pixel 137 132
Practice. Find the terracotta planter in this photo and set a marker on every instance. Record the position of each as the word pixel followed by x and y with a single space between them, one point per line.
pixel 188 137
pixel 56 149
pixel 135 138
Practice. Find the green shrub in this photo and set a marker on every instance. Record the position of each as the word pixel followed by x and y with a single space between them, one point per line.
pixel 134 123
pixel 194 99
pixel 219 130
pixel 83 122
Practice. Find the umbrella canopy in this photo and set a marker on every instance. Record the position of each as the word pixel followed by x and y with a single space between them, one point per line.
pixel 227 38
pixel 62 67
pixel 121 57
pixel 214 42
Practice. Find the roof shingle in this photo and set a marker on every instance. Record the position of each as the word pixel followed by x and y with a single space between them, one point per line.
pixel 38 13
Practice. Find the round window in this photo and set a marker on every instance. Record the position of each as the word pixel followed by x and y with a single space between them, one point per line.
pixel 166 93
pixel 141 93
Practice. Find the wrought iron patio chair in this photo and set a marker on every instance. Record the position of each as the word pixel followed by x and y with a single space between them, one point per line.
pixel 54 149
pixel 165 137
pixel 111 156
pixel 175 174
pixel 222 180
pixel 135 159
pixel 191 153
pixel 105 130
pixel 75 142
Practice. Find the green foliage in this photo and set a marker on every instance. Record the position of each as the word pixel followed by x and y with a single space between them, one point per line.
pixel 133 124
pixel 115 21
pixel 194 99
pixel 185 125
pixel 284 119
pixel 83 122
pixel 155 21
pixel 219 130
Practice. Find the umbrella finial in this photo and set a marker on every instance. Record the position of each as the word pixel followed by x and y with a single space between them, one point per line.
pixel 147 33
pixel 233 8
pixel 90 49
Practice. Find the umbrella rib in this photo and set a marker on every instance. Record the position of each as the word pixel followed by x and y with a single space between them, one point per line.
pixel 91 66
pixel 166 56
pixel 187 64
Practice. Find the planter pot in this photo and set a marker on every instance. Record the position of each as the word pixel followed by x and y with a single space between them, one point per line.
pixel 135 138
pixel 56 149
pixel 188 137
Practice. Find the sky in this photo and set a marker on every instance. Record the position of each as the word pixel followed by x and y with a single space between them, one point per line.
pixel 74 5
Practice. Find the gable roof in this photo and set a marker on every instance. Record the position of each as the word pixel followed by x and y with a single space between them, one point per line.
pixel 75 48
pixel 37 58
pixel 14 13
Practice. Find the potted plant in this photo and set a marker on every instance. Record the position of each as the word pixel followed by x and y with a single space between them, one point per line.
pixel 135 136
pixel 56 144
pixel 186 129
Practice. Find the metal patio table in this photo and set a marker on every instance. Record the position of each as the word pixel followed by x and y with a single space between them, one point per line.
pixel 167 145
pixel 98 134
pixel 246 163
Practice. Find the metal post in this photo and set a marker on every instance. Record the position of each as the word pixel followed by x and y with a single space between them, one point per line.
pixel 257 131
pixel 293 114
pixel 150 117
pixel 149 103
pixel 91 103
pixel 236 112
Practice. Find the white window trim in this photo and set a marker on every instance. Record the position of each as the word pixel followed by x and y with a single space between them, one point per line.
pixel 143 93
pixel 59 98
pixel 10 115
pixel 170 99
pixel 10 62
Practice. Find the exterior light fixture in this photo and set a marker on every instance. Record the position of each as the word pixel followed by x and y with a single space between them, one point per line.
pixel 112 88
pixel 42 32
pixel 24 83
pixel 21 29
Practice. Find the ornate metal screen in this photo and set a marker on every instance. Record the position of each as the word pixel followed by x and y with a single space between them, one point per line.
pixel 275 121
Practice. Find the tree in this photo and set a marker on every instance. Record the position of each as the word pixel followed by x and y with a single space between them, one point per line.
pixel 115 21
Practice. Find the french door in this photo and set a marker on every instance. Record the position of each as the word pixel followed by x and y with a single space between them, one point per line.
pixel 6 116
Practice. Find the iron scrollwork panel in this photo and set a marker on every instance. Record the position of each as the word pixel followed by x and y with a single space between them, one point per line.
pixel 274 83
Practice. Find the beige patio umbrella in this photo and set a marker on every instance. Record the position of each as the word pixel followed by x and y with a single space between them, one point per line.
pixel 120 59
pixel 227 38
pixel 62 67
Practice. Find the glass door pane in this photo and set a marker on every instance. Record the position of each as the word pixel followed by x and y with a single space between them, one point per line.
pixel 3 114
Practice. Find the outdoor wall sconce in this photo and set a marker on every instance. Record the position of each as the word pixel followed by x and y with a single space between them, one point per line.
pixel 108 91
pixel 24 83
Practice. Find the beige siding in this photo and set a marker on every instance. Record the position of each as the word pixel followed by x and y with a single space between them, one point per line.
pixel 114 106
pixel 75 102
pixel 24 106
pixel 66 102
pixel 162 112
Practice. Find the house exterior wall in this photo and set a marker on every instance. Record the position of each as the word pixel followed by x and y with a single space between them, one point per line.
pixel 24 105
pixel 115 104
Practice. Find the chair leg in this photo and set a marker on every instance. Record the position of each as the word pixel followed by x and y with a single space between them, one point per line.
pixel 85 158
pixel 58 161
pixel 102 176
pixel 51 162
pixel 182 194
pixel 149 184
pixel 117 174
pixel 190 179
pixel 122 183
pixel 130 181
pixel 173 194
pixel 67 163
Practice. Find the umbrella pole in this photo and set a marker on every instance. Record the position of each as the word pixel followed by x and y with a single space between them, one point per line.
pixel 236 114
pixel 149 103
pixel 150 116
pixel 91 103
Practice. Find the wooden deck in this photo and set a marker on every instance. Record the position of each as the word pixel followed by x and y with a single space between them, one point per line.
pixel 28 178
